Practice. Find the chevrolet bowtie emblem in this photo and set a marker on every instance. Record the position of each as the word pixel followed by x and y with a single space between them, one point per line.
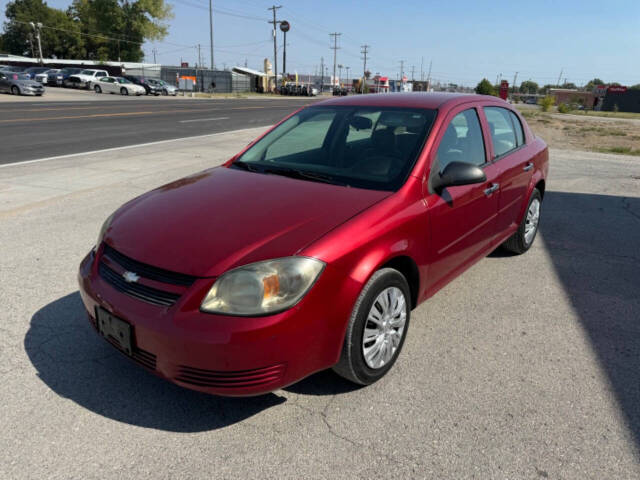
pixel 130 277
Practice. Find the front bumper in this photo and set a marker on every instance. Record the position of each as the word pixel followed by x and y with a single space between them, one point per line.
pixel 229 355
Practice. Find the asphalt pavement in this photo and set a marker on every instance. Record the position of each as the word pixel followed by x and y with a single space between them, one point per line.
pixel 32 130
pixel 525 367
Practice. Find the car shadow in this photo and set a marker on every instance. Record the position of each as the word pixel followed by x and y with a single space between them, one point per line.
pixel 79 365
pixel 594 244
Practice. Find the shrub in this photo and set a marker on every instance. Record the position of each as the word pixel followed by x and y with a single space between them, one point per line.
pixel 485 88
pixel 547 102
pixel 564 108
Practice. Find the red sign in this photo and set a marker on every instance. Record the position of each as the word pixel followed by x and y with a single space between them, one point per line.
pixel 504 89
pixel 184 65
pixel 617 89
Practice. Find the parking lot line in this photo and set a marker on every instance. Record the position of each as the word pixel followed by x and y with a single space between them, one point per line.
pixel 203 119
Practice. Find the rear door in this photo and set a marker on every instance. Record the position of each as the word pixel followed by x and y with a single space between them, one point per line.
pixel 509 152
pixel 462 218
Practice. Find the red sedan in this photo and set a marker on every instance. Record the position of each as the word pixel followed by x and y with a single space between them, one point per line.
pixel 309 249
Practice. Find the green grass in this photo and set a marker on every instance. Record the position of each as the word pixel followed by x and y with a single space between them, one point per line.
pixel 619 150
pixel 591 113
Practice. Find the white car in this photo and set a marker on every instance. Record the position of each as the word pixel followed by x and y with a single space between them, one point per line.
pixel 118 85
pixel 88 77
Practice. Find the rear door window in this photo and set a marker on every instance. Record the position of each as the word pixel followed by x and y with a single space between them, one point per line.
pixel 503 134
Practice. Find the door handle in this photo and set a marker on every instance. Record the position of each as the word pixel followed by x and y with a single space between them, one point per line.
pixel 528 166
pixel 491 189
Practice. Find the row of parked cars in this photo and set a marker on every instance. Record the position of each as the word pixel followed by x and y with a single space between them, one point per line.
pixel 31 81
pixel 299 90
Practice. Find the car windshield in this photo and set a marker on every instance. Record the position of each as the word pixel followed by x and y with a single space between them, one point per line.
pixel 87 72
pixel 358 146
pixel 19 76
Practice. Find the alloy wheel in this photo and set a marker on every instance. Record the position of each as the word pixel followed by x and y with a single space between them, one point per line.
pixel 531 223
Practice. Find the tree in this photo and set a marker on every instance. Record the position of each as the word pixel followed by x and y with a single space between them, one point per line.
pixel 545 89
pixel 117 28
pixel 632 87
pixel 529 87
pixel 485 88
pixel 593 84
pixel 60 36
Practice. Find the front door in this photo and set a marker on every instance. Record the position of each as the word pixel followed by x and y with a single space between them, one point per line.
pixel 462 218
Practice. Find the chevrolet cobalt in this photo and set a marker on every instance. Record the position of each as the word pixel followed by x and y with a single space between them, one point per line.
pixel 309 249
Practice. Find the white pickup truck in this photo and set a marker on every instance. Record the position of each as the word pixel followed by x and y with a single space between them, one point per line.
pixel 87 77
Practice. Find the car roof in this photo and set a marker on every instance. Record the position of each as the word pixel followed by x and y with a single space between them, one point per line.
pixel 431 100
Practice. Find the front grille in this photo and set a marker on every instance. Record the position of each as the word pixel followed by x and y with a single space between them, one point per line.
pixel 233 379
pixel 148 271
pixel 137 290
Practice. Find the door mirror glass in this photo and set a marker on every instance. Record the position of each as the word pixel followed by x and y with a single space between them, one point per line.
pixel 458 173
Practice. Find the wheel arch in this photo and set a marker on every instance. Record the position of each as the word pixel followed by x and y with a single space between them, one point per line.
pixel 409 269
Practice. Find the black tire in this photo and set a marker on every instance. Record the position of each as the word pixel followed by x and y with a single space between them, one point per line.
pixel 517 242
pixel 165 92
pixel 15 90
pixel 124 91
pixel 352 364
pixel 97 89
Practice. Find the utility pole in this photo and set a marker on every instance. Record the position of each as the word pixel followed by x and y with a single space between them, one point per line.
pixel 422 69
pixel 560 76
pixel 30 37
pixel 154 54
pixel 429 75
pixel 515 77
pixel 321 74
pixel 211 30
pixel 335 50
pixel 347 69
pixel 364 51
pixel 412 73
pixel 339 73
pixel 401 73
pixel 199 58
pixel 275 45
pixel 36 27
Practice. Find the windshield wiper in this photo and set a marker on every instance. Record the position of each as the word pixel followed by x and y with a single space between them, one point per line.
pixel 304 175
pixel 244 166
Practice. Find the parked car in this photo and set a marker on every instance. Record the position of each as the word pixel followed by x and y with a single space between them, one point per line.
pixel 118 85
pixel 86 78
pixel 18 83
pixel 48 77
pixel 164 87
pixel 11 68
pixel 33 71
pixel 149 88
pixel 309 249
pixel 65 73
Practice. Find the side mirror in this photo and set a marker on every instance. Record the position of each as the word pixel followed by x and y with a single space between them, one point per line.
pixel 458 173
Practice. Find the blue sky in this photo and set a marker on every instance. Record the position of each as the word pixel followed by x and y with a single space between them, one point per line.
pixel 466 40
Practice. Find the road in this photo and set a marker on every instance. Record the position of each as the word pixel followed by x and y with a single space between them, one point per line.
pixel 30 130
pixel 525 367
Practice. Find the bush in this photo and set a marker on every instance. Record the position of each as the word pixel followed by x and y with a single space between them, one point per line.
pixel 547 102
pixel 564 108
pixel 485 88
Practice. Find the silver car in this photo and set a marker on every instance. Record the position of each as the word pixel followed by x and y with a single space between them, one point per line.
pixel 164 87
pixel 18 83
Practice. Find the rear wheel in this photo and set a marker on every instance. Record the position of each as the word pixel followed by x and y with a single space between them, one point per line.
pixel 377 328
pixel 97 89
pixel 124 91
pixel 15 90
pixel 523 238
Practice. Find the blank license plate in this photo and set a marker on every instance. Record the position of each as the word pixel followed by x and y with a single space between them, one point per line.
pixel 115 329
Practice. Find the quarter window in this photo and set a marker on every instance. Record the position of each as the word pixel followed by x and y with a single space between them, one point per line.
pixel 518 128
pixel 462 141
pixel 503 135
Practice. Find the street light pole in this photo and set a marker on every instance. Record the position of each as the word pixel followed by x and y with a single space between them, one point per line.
pixel 211 30
pixel 275 46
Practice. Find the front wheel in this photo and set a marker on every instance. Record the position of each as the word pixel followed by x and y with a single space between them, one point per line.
pixel 523 238
pixel 124 91
pixel 15 90
pixel 165 93
pixel 377 328
pixel 97 89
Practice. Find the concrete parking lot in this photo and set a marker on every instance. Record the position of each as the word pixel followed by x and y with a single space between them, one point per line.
pixel 525 367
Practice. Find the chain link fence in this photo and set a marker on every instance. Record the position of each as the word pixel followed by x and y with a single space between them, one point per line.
pixel 219 81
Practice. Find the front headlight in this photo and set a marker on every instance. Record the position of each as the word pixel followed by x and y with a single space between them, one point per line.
pixel 103 230
pixel 264 287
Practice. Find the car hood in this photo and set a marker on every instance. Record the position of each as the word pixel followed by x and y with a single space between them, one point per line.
pixel 26 83
pixel 221 218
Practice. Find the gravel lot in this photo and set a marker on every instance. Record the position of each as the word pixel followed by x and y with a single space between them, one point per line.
pixel 523 368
